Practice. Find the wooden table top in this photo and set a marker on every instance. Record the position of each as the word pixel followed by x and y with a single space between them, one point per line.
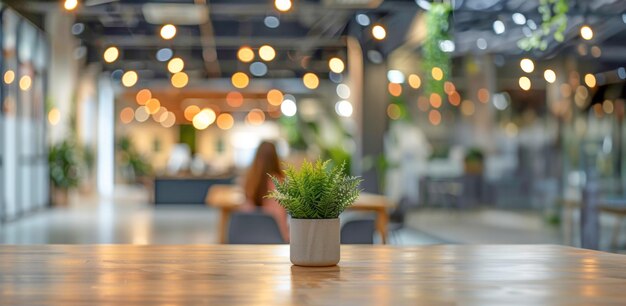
pixel 232 196
pixel 262 275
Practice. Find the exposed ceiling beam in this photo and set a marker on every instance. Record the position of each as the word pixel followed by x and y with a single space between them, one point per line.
pixel 150 41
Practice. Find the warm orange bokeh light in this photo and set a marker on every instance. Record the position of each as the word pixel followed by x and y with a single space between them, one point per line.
pixel 127 115
pixel 240 80
pixel 435 100
pixel 234 99
pixel 434 116
pixel 180 80
pixel 483 95
pixel 255 117
pixel 448 87
pixel 274 97
pixel 54 116
pixel 437 73
pixel 245 54
pixel 191 111
pixel 310 80
pixel 394 89
pixel 152 106
pixel 455 99
pixel 225 121
pixel 143 96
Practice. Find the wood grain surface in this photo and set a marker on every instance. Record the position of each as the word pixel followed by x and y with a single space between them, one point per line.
pixel 262 275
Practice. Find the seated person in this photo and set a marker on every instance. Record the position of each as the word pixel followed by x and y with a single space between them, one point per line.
pixel 258 184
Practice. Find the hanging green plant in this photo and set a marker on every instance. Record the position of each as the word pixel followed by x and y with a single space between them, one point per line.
pixel 437 32
pixel 554 22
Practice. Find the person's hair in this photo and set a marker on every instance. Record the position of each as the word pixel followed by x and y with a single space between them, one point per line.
pixel 265 162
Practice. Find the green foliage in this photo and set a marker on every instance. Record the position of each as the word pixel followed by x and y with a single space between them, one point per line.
pixel 437 30
pixel 129 157
pixel 554 17
pixel 63 161
pixel 316 191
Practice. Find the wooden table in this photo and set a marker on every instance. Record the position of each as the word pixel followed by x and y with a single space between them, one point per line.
pixel 262 275
pixel 228 198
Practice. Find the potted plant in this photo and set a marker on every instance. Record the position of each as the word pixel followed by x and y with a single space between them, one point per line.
pixel 63 162
pixel 314 196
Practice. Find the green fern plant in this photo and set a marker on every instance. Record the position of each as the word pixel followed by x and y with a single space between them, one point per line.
pixel 316 191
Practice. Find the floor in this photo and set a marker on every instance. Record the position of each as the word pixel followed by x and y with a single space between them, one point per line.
pixel 129 219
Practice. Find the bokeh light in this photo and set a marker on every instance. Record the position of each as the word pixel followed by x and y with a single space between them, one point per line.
pixel 225 121
pixel 343 91
pixel 129 79
pixel 152 106
pixel 586 32
pixel 180 79
pixel 437 73
pixel 203 119
pixel 435 100
pixel 336 65
pixel 9 77
pixel 282 5
pixel 434 116
pixel 175 65
pixel 527 65
pixel 274 97
pixel 379 32
pixel 344 108
pixel 240 80
pixel 141 114
pixel 255 117
pixel 288 107
pixel 143 96
pixel 415 81
pixel 393 111
pixel 267 53
pixel 168 31
pixel 549 75
pixel 483 95
pixel 310 80
pixel 245 54
pixel 467 107
pixel 524 83
pixel 111 54
pixel 590 80
pixel 394 89
pixel 234 99
pixel 54 116
pixel 25 82
pixel 191 111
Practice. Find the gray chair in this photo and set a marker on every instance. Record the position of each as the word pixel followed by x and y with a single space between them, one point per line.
pixel 358 232
pixel 253 228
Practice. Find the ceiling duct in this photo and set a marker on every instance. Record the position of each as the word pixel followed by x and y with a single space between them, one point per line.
pixel 176 13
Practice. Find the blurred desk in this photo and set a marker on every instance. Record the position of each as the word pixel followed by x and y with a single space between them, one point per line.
pixel 228 198
pixel 262 275
pixel 185 189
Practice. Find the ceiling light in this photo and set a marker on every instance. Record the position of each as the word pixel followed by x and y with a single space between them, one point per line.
pixel 143 96
pixel 245 54
pixel 336 65
pixel 415 81
pixel 267 53
pixel 549 75
pixel 129 79
pixel 111 54
pixel 343 91
pixel 527 65
pixel 225 121
pixel 498 27
pixel 379 32
pixel 586 32
pixel 524 83
pixel 271 22
pixel 590 80
pixel 310 80
pixel 258 69
pixel 282 5
pixel 176 65
pixel 191 111
pixel 240 80
pixel 180 79
pixel 152 106
pixel 9 76
pixel 343 108
pixel 70 5
pixel 204 118
pixel 288 108
pixel 363 19
pixel 164 54
pixel 168 31
pixel 274 97
pixel 519 19
pixel 395 76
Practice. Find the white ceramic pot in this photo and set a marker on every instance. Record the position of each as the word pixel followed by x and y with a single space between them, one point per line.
pixel 314 242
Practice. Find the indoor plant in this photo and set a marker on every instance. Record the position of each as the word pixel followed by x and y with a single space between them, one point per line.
pixel 314 196
pixel 63 162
